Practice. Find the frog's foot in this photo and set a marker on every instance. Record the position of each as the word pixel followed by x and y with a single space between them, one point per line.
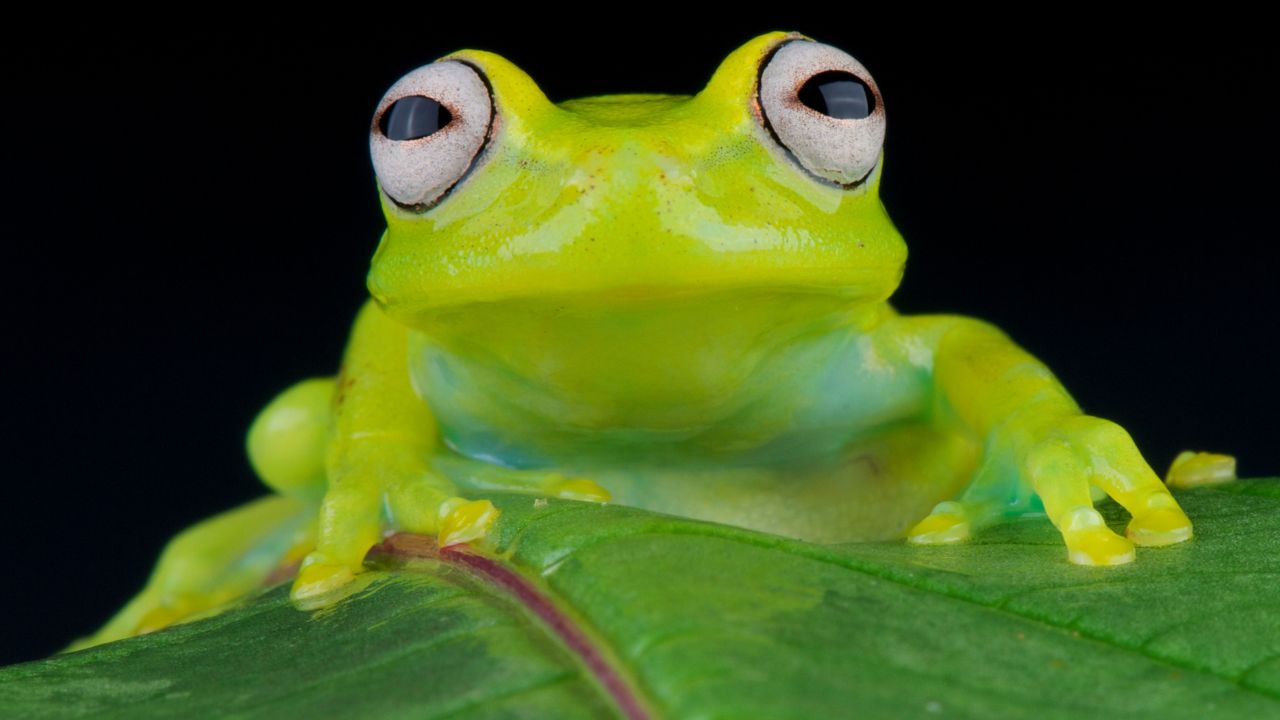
pixel 1194 469
pixel 352 522
pixel 1081 450
pixel 948 523
pixel 419 506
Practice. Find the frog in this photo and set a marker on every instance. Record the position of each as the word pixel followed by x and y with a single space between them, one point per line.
pixel 679 303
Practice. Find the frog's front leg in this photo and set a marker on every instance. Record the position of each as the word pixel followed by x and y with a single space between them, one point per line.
pixel 1035 437
pixel 377 463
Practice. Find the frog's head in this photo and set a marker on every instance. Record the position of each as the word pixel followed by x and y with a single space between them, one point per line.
pixel 766 180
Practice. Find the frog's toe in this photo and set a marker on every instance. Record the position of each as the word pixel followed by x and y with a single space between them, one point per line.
pixel 1090 542
pixel 1101 547
pixel 580 489
pixel 948 523
pixel 1163 526
pixel 319 578
pixel 465 520
pixel 1194 469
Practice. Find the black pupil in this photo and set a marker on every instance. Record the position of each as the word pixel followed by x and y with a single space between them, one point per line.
pixel 414 117
pixel 838 94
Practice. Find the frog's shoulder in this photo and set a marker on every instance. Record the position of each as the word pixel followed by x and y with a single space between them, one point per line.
pixel 876 316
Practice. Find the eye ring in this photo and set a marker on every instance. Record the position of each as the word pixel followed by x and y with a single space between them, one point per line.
pixel 837 145
pixel 429 132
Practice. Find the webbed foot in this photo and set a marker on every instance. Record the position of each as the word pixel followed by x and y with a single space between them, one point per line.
pixel 1069 461
pixel 345 538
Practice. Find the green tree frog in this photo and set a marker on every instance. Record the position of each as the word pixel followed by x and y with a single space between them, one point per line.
pixel 673 302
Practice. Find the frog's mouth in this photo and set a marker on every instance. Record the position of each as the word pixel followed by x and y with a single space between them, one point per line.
pixel 641 318
pixel 626 303
pixel 415 294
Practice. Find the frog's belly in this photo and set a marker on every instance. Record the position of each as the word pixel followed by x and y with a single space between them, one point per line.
pixel 875 490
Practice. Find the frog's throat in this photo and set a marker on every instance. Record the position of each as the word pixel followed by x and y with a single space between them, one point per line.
pixel 655 366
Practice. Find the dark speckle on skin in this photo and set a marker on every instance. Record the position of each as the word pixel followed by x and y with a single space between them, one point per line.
pixel 869 461
pixel 344 382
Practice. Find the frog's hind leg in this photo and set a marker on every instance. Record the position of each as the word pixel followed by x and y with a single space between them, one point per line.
pixel 216 562
pixel 287 440
pixel 232 554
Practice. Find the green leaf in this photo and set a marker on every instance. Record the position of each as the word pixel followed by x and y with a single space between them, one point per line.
pixel 603 611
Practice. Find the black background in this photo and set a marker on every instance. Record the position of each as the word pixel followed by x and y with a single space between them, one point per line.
pixel 187 223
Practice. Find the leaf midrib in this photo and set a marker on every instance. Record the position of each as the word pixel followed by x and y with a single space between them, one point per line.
pixel 623 693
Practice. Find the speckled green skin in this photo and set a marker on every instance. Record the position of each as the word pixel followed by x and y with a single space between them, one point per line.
pixel 648 294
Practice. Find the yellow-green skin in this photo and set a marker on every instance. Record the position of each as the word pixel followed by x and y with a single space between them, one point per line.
pixel 645 297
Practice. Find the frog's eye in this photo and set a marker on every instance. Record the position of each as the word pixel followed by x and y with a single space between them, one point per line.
pixel 414 116
pixel 823 107
pixel 428 131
